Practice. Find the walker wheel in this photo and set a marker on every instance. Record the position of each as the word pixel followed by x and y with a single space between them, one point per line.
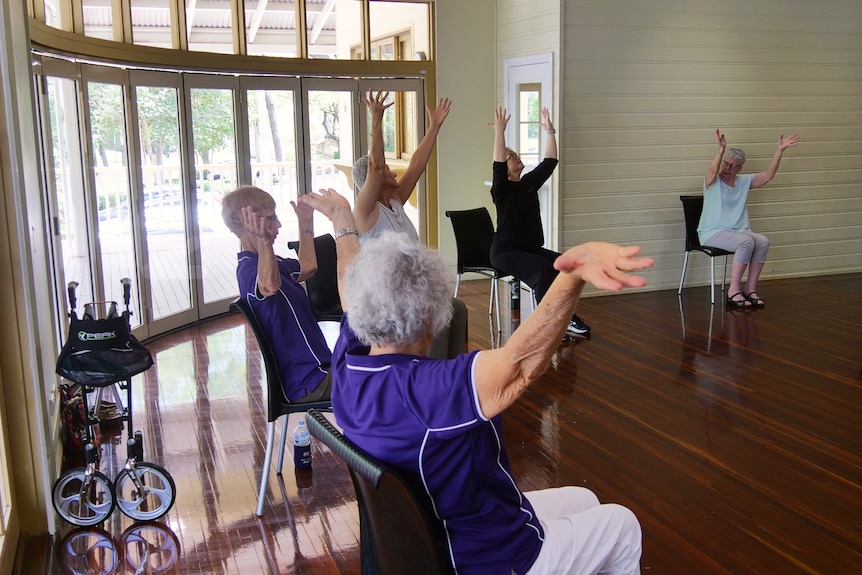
pixel 151 548
pixel 79 505
pixel 155 498
pixel 89 550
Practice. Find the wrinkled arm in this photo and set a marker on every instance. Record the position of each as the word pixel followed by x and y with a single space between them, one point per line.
pixel 715 166
pixel 419 160
pixel 307 253
pixel 762 178
pixel 503 374
pixel 258 236
pixel 365 210
pixel 336 207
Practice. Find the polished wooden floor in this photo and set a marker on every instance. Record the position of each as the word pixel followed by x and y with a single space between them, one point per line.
pixel 734 436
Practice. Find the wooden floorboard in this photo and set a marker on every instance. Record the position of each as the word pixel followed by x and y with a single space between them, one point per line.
pixel 734 436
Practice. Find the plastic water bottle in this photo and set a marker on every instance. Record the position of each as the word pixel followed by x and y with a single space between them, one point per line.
pixel 301 446
pixel 516 293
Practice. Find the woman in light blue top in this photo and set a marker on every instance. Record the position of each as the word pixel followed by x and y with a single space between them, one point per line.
pixel 724 220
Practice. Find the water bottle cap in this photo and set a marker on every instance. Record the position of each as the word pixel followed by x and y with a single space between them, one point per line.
pixel 301 422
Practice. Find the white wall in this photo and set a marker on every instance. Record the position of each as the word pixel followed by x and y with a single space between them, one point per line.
pixel 466 74
pixel 647 82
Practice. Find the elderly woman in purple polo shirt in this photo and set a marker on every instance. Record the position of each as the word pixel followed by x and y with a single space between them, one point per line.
pixel 724 220
pixel 438 421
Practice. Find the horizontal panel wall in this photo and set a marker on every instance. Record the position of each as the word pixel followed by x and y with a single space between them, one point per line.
pixel 645 84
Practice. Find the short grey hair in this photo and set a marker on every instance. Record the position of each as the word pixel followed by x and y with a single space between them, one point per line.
pixel 397 291
pixel 360 172
pixel 736 154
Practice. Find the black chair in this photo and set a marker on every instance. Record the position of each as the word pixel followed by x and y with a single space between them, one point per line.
pixel 277 403
pixel 396 534
pixel 473 234
pixel 322 287
pixel 692 207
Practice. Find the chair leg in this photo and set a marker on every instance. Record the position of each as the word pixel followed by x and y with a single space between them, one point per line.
pixel 712 281
pixel 457 284
pixel 682 278
pixel 495 286
pixel 724 278
pixel 267 461
pixel 284 425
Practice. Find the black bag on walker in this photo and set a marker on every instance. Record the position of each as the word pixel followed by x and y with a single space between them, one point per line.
pixel 100 352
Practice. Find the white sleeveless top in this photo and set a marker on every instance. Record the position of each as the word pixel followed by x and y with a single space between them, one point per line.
pixel 391 220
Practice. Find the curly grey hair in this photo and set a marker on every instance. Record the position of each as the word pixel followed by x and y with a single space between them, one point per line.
pixel 360 172
pixel 735 154
pixel 397 291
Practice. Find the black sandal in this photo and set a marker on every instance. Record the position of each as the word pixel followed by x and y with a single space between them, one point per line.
pixel 744 303
pixel 755 301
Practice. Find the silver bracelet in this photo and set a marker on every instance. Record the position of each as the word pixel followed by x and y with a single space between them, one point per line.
pixel 307 231
pixel 345 231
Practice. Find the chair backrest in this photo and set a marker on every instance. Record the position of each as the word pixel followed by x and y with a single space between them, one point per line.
pixel 396 535
pixel 692 206
pixel 322 287
pixel 474 231
pixel 277 403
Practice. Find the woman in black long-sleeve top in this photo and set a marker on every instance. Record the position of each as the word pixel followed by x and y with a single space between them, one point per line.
pixel 517 246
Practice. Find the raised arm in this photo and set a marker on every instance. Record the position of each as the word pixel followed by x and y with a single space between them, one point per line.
pixel 258 235
pixel 419 160
pixel 762 178
pixel 551 139
pixel 336 207
pixel 503 374
pixel 715 166
pixel 307 253
pixel 501 118
pixel 365 209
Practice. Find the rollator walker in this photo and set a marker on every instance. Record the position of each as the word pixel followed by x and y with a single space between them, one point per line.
pixel 101 352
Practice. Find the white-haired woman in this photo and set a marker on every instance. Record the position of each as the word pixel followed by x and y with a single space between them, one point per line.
pixel 438 421
pixel 724 221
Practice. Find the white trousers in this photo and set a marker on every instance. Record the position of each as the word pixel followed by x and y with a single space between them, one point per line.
pixel 583 536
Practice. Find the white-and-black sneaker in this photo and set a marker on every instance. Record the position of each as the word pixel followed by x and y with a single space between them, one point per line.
pixel 577 326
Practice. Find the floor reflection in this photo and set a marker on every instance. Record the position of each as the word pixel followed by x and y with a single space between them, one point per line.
pixel 146 547
pixel 722 352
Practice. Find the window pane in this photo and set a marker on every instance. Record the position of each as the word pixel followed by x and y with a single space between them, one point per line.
pixel 270 28
pixel 108 135
pixel 528 116
pixel 210 26
pixel 399 30
pixel 72 263
pixel 164 213
pixel 52 13
pixel 215 175
pixel 332 155
pixel 151 23
pixel 98 18
pixel 337 34
pixel 272 138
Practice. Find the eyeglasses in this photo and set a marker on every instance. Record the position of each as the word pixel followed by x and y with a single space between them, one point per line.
pixel 731 165
pixel 270 219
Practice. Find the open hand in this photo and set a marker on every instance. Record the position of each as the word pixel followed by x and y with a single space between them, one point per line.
pixel 304 213
pixel 720 139
pixel 257 227
pixel 437 116
pixel 784 143
pixel 377 102
pixel 604 265
pixel 328 202
pixel 500 119
pixel 546 120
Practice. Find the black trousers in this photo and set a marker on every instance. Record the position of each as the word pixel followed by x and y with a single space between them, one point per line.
pixel 533 267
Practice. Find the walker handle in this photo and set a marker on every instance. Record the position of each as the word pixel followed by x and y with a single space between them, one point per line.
pixel 127 291
pixel 73 300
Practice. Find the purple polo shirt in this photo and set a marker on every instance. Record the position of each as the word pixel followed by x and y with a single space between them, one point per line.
pixel 286 318
pixel 421 417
